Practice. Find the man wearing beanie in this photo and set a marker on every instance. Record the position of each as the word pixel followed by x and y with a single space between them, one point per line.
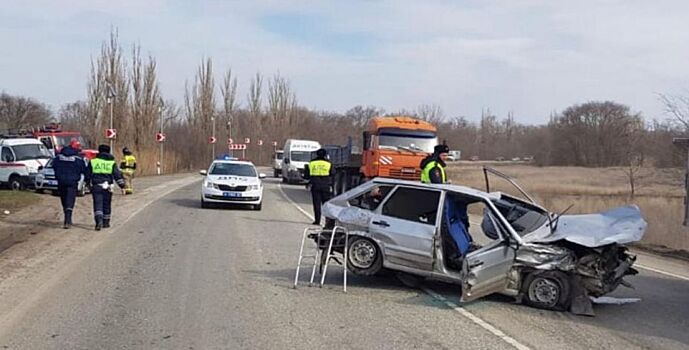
pixel 102 173
pixel 433 166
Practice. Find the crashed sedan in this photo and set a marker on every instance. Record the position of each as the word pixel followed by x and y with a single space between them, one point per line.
pixel 487 242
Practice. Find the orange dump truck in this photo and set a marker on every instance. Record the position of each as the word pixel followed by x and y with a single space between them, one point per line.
pixel 393 147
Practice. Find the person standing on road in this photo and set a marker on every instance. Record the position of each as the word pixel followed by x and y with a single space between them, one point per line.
pixel 433 166
pixel 69 167
pixel 102 174
pixel 320 174
pixel 128 167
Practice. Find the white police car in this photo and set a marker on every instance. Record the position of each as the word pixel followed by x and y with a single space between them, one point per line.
pixel 232 181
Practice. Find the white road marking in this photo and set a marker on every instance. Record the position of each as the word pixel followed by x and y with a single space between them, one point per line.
pixel 477 320
pixel 473 318
pixel 661 272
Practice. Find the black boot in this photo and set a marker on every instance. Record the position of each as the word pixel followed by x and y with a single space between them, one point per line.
pixel 99 223
pixel 106 223
pixel 68 220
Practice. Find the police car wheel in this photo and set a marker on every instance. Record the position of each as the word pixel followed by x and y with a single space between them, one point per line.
pixel 204 204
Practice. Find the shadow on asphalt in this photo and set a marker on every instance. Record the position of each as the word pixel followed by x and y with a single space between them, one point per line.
pixel 196 204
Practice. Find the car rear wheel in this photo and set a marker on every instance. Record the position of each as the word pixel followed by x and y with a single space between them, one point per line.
pixel 548 290
pixel 363 256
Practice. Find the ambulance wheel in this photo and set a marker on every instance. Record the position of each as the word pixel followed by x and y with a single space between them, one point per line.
pixel 15 183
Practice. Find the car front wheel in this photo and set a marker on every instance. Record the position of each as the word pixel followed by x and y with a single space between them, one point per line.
pixel 363 256
pixel 547 290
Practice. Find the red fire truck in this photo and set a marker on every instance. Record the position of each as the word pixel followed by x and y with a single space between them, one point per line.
pixel 54 138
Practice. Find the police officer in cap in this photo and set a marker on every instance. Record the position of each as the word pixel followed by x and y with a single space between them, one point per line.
pixel 102 174
pixel 320 173
pixel 433 166
pixel 69 167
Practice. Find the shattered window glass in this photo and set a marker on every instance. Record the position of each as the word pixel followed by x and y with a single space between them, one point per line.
pixel 413 204
pixel 371 199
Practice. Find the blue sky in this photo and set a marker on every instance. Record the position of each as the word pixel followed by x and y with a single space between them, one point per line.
pixel 531 57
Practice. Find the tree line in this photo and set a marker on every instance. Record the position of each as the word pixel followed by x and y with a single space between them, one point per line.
pixel 125 83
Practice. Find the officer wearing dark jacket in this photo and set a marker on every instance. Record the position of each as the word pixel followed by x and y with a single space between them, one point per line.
pixel 68 167
pixel 320 173
pixel 433 166
pixel 102 173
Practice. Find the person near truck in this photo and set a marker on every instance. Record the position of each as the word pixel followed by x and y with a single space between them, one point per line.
pixel 433 166
pixel 102 174
pixel 69 167
pixel 128 166
pixel 319 172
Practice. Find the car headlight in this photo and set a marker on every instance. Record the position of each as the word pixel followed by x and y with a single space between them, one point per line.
pixel 211 185
pixel 254 187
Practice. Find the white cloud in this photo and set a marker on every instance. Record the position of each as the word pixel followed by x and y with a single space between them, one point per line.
pixel 531 57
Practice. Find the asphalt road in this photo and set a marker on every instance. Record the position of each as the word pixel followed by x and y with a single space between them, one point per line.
pixel 179 277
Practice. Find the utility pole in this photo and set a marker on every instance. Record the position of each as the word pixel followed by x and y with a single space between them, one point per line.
pixel 160 159
pixel 229 134
pixel 684 142
pixel 213 135
pixel 111 101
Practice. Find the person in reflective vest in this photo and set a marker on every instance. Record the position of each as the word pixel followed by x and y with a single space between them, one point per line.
pixel 102 173
pixel 128 166
pixel 319 172
pixel 433 166
pixel 69 167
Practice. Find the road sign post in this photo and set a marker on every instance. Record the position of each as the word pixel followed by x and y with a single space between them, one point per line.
pixel 684 142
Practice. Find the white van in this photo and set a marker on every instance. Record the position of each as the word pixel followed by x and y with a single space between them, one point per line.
pixel 277 163
pixel 297 154
pixel 20 159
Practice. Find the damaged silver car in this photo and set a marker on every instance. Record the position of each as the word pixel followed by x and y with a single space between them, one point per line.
pixel 487 242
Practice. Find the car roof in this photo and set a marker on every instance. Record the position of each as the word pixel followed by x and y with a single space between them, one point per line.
pixel 20 141
pixel 445 187
pixel 233 162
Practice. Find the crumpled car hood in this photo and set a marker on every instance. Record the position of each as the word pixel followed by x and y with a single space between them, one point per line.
pixel 619 225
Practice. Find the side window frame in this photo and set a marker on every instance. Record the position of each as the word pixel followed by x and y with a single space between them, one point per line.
pixel 397 188
pixel 377 209
pixel 9 150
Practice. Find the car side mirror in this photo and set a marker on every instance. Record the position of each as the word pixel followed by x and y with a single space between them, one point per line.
pixel 261 176
pixel 203 172
pixel 40 167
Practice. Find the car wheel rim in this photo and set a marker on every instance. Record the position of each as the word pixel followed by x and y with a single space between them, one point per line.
pixel 16 185
pixel 544 291
pixel 362 254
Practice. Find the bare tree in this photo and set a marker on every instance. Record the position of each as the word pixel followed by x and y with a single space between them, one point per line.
pixel 229 97
pixel 430 113
pixel 145 100
pixel 18 112
pixel 255 97
pixel 677 106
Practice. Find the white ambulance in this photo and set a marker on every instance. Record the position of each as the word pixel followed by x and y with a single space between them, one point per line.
pixel 20 159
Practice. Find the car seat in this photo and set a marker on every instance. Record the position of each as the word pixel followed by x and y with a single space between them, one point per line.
pixel 455 218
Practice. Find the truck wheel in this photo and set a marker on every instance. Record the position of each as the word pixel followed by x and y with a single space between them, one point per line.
pixel 548 290
pixel 363 257
pixel 15 183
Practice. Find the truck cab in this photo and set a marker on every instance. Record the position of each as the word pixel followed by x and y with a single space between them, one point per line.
pixel 277 163
pixel 394 147
pixel 54 139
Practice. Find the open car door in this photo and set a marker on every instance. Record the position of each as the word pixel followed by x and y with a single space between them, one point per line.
pixel 485 270
pixel 507 178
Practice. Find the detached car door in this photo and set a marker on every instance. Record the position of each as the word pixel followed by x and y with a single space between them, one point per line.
pixel 406 225
pixel 485 270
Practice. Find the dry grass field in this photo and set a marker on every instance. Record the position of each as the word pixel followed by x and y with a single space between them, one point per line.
pixel 659 193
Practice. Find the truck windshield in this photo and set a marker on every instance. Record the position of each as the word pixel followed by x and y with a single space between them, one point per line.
pixel 233 169
pixel 278 156
pixel 300 156
pixel 31 151
pixel 421 141
pixel 64 140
